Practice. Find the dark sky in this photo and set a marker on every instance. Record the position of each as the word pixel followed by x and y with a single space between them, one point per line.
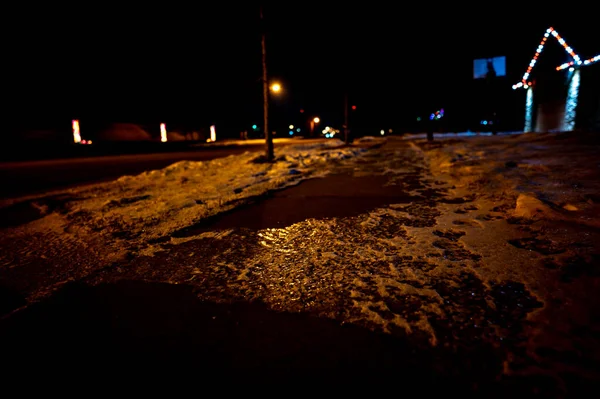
pixel 200 64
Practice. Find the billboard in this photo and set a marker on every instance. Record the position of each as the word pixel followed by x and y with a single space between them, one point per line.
pixel 489 67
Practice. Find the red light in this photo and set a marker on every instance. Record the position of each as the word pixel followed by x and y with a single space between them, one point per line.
pixel 354 108
pixel 301 111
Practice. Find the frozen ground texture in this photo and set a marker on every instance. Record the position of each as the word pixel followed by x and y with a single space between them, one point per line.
pixel 490 253
pixel 103 223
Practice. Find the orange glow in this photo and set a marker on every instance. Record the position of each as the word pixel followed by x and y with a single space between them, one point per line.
pixel 76 132
pixel 213 133
pixel 163 132
pixel 276 87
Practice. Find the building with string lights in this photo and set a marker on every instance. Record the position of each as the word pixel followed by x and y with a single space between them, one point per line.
pixel 564 97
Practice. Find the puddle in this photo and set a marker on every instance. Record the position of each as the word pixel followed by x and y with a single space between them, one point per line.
pixel 334 196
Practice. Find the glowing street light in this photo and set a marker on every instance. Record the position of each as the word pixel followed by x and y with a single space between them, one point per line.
pixel 313 122
pixel 276 88
pixel 163 132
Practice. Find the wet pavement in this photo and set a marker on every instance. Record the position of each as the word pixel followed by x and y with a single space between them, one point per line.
pixel 376 273
pixel 336 196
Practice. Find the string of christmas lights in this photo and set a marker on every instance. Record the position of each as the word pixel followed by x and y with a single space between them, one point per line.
pixel 592 60
pixel 576 59
pixel 589 61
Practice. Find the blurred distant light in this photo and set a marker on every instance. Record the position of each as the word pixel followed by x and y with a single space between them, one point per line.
pixel 163 132
pixel 354 108
pixel 484 122
pixel 254 127
pixel 76 132
pixel 276 87
pixel 213 133
pixel 291 133
pixel 389 130
pixel 382 132
pixel 592 60
pixel 418 119
pixel 431 117
pixel 529 111
pixel 571 103
pixel 298 130
pixel 317 120
pixel 301 111
pixel 291 127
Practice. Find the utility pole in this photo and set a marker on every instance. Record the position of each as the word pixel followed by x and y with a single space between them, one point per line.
pixel 268 137
pixel 346 127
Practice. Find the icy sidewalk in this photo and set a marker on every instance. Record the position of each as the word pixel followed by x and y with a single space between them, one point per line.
pixel 554 174
pixel 539 194
pixel 93 226
pixel 453 251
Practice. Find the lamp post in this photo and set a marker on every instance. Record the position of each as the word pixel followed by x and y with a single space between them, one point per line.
pixel 313 122
pixel 265 83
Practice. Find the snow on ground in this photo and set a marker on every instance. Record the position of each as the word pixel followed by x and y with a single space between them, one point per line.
pixel 155 203
pixel 546 175
pixel 496 233
pixel 480 240
pixel 109 219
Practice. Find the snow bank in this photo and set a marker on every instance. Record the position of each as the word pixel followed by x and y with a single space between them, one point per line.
pixel 543 175
pixel 154 204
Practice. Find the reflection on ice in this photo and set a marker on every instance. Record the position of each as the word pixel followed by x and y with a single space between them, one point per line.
pixel 275 239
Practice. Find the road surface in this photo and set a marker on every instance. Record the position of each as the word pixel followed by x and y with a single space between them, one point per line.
pixel 32 177
pixel 385 273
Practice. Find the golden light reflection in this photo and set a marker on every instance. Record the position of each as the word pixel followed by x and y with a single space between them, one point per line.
pixel 273 238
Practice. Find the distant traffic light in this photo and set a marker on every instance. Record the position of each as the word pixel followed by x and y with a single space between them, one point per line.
pixel 354 108
pixel 254 127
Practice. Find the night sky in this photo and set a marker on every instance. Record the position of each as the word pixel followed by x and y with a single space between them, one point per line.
pixel 199 64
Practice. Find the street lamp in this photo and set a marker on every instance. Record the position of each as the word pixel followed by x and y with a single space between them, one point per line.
pixel 313 122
